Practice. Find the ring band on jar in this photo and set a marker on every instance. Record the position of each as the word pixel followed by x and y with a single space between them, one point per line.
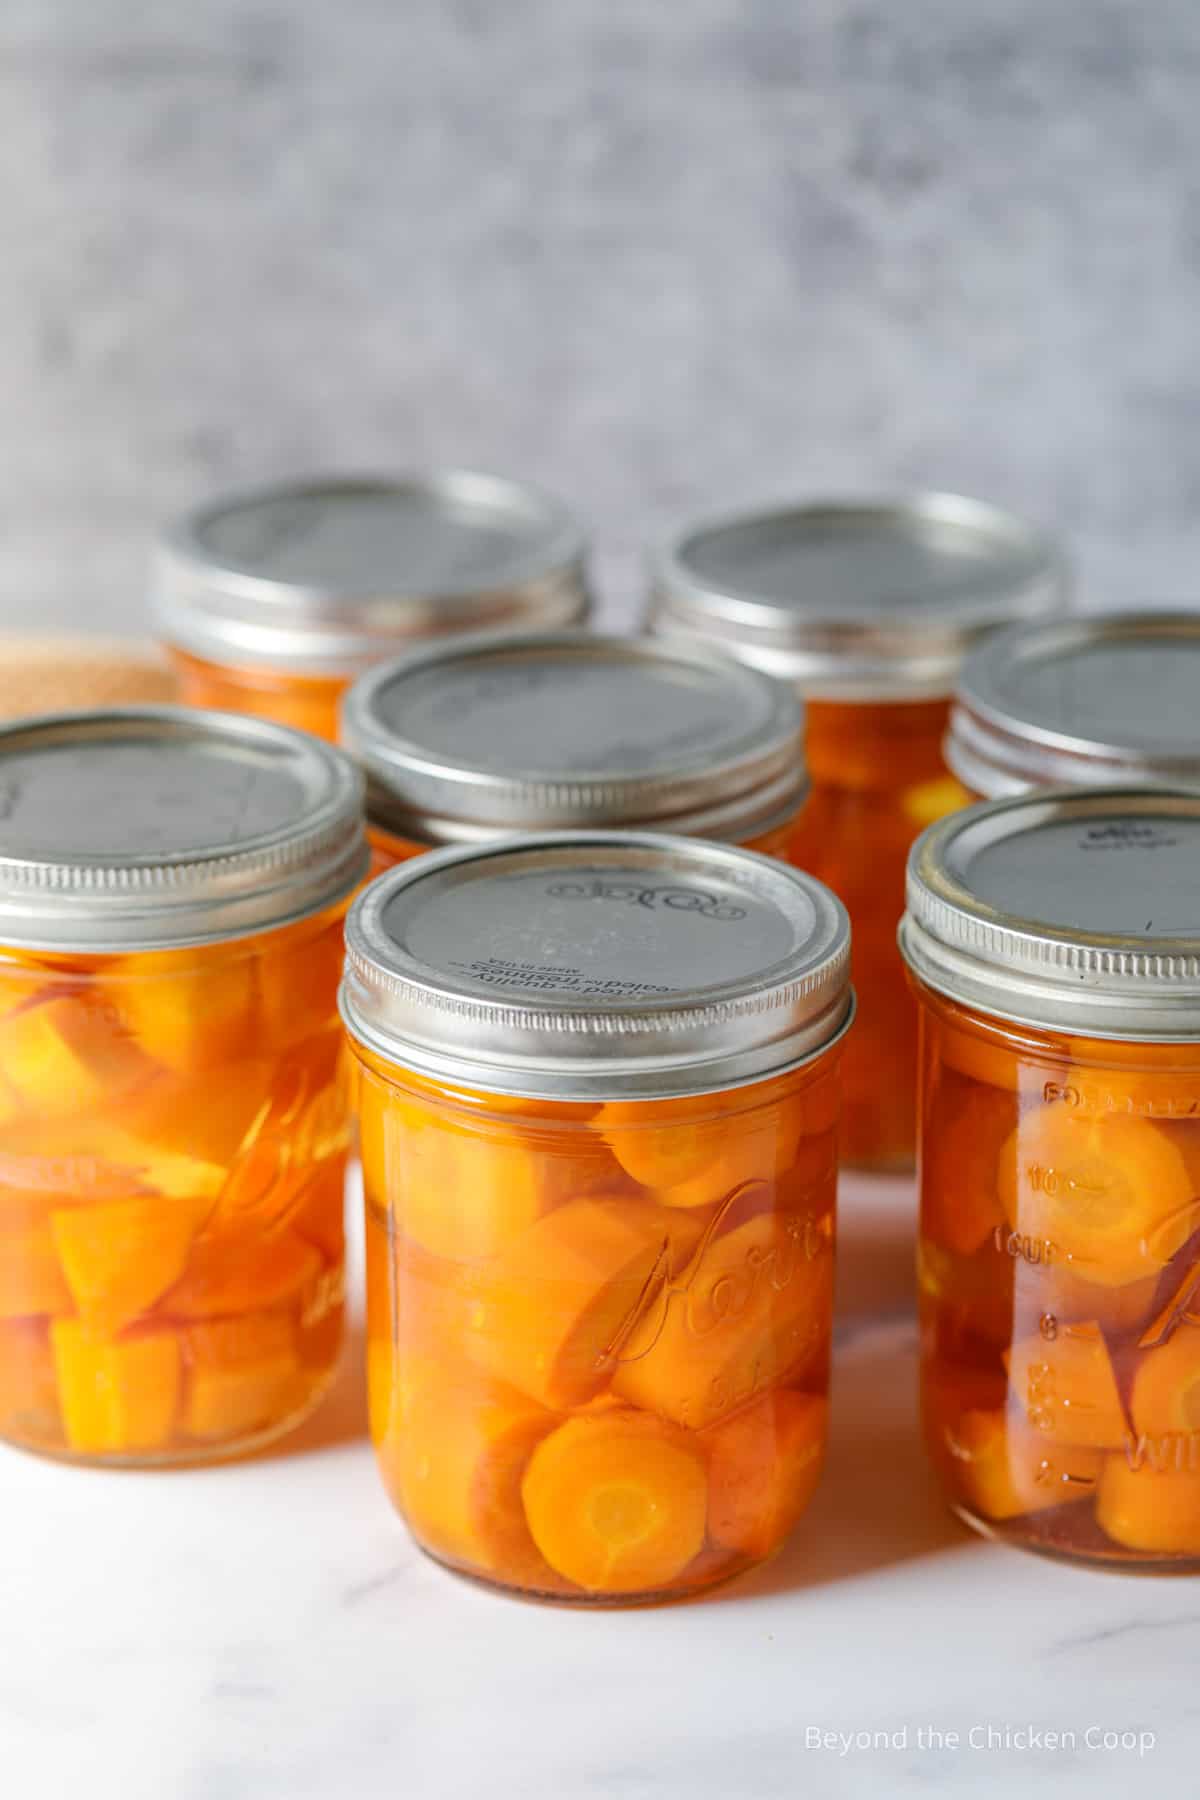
pixel 173 1119
pixel 1079 702
pixel 867 607
pixel 598 1094
pixel 1054 945
pixel 273 600
pixel 467 741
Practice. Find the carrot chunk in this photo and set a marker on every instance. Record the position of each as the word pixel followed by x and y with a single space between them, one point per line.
pixel 1108 1195
pixel 1003 1468
pixel 237 1272
pixel 763 1468
pixel 187 1015
pixel 1148 1508
pixel 1067 1387
pixel 31 1277
pixel 453 1453
pixel 617 1501
pixel 1166 1385
pixel 751 1308
pixel 116 1396
pixel 242 1374
pixel 559 1302
pixel 960 1198
pixel 697 1163
pixel 64 1055
pixel 120 1256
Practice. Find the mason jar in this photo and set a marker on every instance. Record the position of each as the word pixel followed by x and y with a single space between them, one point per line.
pixel 273 600
pixel 173 1123
pixel 598 1088
pixel 1054 943
pixel 468 740
pixel 867 607
pixel 1081 702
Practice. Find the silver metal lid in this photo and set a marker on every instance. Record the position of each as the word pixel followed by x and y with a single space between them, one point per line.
pixel 872 599
pixel 1070 909
pixel 593 965
pixel 1082 701
pixel 485 735
pixel 148 828
pixel 328 575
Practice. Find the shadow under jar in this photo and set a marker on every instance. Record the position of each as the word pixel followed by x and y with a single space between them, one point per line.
pixel 272 601
pixel 598 1089
pixel 1079 702
pixel 867 607
pixel 1054 942
pixel 173 1121
pixel 468 741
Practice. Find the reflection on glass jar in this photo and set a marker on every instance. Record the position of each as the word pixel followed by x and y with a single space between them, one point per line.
pixel 1060 1172
pixel 173 1120
pixel 598 1321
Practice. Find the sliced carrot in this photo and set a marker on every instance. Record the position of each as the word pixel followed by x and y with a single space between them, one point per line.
pixel 1149 1509
pixel 67 1054
pixel 698 1162
pixel 187 1012
pixel 1067 1387
pixel 1002 1468
pixel 28 1386
pixel 116 1396
pixel 1109 1196
pixel 963 1139
pixel 617 1502
pixel 120 1256
pixel 752 1307
pixel 1165 1396
pixel 559 1302
pixel 1054 1293
pixel 208 1117
pixel 763 1467
pixel 31 1277
pixel 453 1456
pixel 242 1374
pixel 297 984
pixel 968 1296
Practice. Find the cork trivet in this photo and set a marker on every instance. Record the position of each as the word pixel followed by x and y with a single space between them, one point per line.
pixel 70 673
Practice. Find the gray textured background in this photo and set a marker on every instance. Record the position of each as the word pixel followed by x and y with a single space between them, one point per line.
pixel 656 255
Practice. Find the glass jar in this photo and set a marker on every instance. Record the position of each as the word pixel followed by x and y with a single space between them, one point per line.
pixel 867 607
pixel 272 601
pixel 465 741
pixel 1081 702
pixel 1055 948
pixel 598 1102
pixel 173 1121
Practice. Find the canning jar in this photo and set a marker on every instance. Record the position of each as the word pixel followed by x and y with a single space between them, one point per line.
pixel 273 600
pixel 1081 702
pixel 173 1125
pixel 867 607
pixel 598 1099
pixel 465 741
pixel 1054 941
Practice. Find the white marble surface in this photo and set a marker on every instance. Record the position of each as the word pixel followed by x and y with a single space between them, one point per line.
pixel 265 1631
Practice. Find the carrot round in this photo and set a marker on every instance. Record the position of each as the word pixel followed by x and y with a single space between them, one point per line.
pixel 617 1502
pixel 1166 1385
pixel 1067 1387
pixel 1002 1468
pixel 1149 1509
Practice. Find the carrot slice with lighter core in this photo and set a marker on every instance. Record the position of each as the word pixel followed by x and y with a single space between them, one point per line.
pixel 1149 1509
pixel 1067 1387
pixel 1166 1386
pixel 1110 1195
pixel 617 1502
pixel 764 1465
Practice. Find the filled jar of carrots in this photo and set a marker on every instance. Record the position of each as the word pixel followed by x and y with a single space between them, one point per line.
pixel 598 1090
pixel 173 1124
pixel 1081 702
pixel 1055 949
pixel 467 740
pixel 867 608
pixel 273 600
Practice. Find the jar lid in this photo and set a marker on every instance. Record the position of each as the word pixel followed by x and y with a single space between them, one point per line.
pixel 1082 701
pixel 596 965
pixel 327 575
pixel 484 735
pixel 1070 909
pixel 872 599
pixel 155 827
